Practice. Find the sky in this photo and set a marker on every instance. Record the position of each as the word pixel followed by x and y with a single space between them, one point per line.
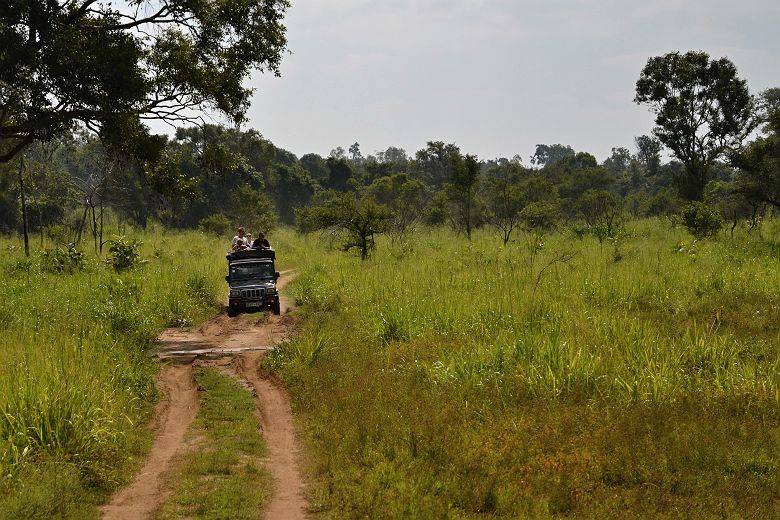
pixel 496 77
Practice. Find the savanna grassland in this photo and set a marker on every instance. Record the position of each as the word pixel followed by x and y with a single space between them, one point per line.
pixel 76 379
pixel 555 376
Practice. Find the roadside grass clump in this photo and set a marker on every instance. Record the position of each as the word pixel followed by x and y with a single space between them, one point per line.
pixel 203 288
pixel 224 477
pixel 469 379
pixel 76 378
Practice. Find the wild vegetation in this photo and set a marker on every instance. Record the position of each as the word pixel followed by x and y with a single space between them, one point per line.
pixel 628 379
pixel 563 336
pixel 76 383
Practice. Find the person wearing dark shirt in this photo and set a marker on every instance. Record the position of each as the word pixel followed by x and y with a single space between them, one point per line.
pixel 261 242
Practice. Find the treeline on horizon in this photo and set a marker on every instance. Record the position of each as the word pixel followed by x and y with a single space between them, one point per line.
pixel 215 178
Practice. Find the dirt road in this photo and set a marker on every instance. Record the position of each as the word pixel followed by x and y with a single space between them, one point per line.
pixel 238 342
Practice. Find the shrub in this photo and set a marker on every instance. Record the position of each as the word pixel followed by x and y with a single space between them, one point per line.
pixel 124 253
pixel 701 220
pixel 540 216
pixel 603 212
pixel 65 259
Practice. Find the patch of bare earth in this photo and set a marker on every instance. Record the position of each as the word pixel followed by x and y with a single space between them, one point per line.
pixel 222 342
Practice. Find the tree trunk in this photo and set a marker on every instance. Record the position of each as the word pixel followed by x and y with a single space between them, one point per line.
pixel 24 208
pixel 80 229
pixel 94 229
pixel 102 209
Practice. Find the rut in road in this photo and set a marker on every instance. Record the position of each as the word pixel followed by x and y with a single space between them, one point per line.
pixel 216 343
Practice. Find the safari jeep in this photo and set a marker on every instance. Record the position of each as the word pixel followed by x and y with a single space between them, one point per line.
pixel 252 280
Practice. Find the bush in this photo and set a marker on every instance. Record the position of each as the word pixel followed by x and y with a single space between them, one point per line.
pixel 701 220
pixel 540 216
pixel 66 259
pixel 124 253
pixel 217 224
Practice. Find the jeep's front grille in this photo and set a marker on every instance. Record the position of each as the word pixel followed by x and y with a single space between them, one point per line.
pixel 252 293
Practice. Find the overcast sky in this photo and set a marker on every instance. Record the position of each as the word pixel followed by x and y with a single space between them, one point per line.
pixel 494 76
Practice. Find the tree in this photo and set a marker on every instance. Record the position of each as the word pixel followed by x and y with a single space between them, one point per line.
pixel 769 103
pixel 291 188
pixel 702 111
pixel 462 191
pixel 727 198
pixel 433 164
pixel 504 197
pixel 8 203
pixel 339 173
pixel 315 165
pixel 603 212
pixel 648 152
pixel 338 153
pixel 759 166
pixel 404 198
pixel 619 161
pixel 92 177
pixel 252 209
pixel 578 161
pixel 701 220
pixel 548 154
pixel 110 67
pixel 354 153
pixel 45 190
pixel 216 161
pixel 349 217
pixel 393 155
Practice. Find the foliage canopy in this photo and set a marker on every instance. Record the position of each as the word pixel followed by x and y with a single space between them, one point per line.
pixel 111 66
pixel 702 111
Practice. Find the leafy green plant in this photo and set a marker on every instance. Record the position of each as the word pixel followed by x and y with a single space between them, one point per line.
pixel 65 259
pixel 124 253
pixel 701 220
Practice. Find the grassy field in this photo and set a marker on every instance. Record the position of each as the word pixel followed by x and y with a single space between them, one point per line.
pixel 441 378
pixel 552 377
pixel 76 382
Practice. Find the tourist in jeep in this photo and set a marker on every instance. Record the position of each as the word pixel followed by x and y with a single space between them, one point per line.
pixel 240 241
pixel 261 242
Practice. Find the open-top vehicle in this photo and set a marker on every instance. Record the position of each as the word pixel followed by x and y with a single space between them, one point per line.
pixel 252 279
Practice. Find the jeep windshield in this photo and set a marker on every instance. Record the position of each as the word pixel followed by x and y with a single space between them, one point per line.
pixel 252 270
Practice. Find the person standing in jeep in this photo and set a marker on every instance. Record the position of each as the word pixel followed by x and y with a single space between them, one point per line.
pixel 261 242
pixel 240 241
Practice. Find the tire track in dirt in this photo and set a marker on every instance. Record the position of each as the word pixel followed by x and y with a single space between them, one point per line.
pixel 179 405
pixel 173 415
pixel 287 501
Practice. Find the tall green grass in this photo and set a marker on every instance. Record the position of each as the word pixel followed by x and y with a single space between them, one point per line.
pixel 417 356
pixel 76 376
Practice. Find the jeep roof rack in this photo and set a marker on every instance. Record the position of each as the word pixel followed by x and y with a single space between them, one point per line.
pixel 251 253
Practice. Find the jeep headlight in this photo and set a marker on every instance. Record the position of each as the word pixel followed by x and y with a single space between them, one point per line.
pixel 270 290
pixel 235 292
